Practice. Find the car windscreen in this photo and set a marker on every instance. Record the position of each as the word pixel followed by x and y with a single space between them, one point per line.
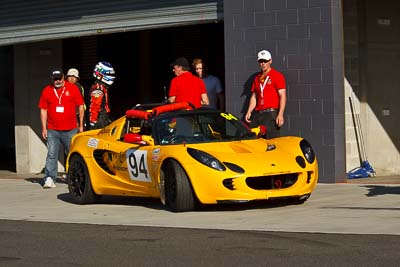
pixel 203 127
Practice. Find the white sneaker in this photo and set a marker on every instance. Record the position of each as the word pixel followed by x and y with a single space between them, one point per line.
pixel 49 183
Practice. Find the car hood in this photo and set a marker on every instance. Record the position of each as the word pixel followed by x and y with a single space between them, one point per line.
pixel 253 154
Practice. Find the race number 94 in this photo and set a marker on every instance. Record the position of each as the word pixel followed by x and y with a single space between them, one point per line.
pixel 228 116
pixel 137 165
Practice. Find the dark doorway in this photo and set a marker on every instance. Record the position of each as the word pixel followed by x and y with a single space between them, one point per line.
pixel 141 59
pixel 7 139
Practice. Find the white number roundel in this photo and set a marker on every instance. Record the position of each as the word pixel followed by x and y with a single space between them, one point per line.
pixel 137 165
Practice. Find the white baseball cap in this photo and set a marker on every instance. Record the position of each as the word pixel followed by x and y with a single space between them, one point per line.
pixel 73 72
pixel 264 54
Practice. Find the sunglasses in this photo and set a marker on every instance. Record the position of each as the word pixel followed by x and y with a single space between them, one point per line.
pixel 57 78
pixel 263 61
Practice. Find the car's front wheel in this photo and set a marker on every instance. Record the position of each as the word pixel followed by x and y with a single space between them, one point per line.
pixel 175 188
pixel 79 184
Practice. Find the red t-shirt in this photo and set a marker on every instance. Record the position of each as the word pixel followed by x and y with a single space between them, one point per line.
pixel 187 88
pixel 268 97
pixel 61 106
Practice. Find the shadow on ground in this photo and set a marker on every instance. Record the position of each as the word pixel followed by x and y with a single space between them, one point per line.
pixel 40 180
pixel 378 190
pixel 155 203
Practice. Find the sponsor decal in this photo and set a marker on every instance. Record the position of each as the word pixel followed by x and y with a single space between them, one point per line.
pixel 121 168
pixel 93 142
pixel 97 93
pixel 156 154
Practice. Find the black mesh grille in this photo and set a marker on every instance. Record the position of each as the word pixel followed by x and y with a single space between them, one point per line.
pixel 272 182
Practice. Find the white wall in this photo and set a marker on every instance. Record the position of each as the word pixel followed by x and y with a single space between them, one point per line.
pixel 352 146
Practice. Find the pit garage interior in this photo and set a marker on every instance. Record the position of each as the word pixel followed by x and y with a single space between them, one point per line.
pixel 141 57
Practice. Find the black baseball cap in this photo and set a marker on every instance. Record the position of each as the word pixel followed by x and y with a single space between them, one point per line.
pixel 180 61
pixel 57 74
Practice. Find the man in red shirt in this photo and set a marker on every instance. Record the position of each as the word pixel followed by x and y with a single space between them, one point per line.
pixel 57 104
pixel 268 97
pixel 186 87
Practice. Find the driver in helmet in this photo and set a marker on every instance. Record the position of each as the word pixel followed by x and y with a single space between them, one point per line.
pixel 99 107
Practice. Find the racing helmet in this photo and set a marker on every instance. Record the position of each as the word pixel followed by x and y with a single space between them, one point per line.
pixel 104 72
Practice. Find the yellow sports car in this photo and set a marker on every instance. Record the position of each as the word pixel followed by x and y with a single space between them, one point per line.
pixel 185 156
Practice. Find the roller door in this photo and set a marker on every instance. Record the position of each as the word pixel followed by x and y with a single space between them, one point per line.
pixel 29 21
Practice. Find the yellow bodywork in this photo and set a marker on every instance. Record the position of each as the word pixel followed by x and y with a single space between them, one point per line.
pixel 126 169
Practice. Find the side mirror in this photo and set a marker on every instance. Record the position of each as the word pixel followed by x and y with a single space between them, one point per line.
pixel 148 140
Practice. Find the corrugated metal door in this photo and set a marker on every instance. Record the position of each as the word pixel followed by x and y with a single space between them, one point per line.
pixel 27 21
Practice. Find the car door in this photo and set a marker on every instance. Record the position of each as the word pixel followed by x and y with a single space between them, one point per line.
pixel 130 164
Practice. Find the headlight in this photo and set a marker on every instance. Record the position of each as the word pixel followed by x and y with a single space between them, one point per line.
pixel 206 159
pixel 307 150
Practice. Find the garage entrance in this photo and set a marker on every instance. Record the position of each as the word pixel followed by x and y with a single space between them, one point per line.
pixel 141 59
pixel 7 141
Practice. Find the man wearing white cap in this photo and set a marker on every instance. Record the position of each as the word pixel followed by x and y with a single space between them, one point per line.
pixel 73 77
pixel 268 97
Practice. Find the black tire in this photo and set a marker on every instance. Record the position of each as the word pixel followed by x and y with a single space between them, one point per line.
pixel 79 184
pixel 179 195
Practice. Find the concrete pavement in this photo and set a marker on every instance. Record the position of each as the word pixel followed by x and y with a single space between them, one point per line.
pixel 357 207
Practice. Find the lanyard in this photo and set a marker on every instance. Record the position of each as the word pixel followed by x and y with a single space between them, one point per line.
pixel 59 97
pixel 262 86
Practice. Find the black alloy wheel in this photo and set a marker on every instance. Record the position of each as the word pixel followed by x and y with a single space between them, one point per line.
pixel 179 194
pixel 79 184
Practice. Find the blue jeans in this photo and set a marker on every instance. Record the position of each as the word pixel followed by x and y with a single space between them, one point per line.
pixel 54 139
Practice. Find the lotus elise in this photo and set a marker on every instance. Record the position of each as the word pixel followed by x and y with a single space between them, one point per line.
pixel 186 156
